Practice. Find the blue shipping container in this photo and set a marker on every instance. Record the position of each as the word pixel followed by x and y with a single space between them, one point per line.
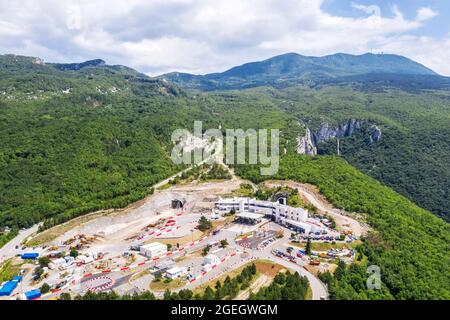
pixel 33 294
pixel 8 288
pixel 30 255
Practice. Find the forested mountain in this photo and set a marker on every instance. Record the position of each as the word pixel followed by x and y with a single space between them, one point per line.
pixel 409 102
pixel 292 68
pixel 81 139
pixel 408 244
pixel 40 102
pixel 75 138
pixel 411 154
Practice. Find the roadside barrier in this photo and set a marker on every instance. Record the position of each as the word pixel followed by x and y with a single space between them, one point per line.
pixel 203 273
pixel 86 275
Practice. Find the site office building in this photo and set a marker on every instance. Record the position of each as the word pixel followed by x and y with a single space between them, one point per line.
pixel 153 250
pixel 279 212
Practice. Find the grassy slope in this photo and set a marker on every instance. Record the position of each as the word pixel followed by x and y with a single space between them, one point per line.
pixel 411 245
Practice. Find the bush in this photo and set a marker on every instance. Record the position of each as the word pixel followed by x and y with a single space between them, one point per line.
pixel 43 261
pixel 45 288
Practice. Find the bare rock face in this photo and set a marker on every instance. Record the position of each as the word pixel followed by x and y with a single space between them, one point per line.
pixel 375 135
pixel 306 144
pixel 38 61
pixel 326 132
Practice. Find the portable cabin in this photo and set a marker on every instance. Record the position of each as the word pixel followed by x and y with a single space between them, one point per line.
pixel 8 288
pixel 30 255
pixel 33 294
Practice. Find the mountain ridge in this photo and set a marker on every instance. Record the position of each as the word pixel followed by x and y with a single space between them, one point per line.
pixel 292 68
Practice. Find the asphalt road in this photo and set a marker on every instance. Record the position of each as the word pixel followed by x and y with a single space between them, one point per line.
pixel 9 249
pixel 318 288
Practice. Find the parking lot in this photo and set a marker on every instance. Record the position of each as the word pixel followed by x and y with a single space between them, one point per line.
pixel 258 240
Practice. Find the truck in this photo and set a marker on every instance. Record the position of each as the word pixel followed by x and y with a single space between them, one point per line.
pixel 314 262
pixel 136 247
pixel 30 255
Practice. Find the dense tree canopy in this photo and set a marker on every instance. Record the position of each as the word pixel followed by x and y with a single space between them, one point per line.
pixel 409 244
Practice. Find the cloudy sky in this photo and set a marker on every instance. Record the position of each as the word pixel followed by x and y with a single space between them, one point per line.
pixel 202 36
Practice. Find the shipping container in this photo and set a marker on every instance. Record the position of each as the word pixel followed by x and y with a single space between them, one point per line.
pixel 30 255
pixel 33 294
pixel 8 288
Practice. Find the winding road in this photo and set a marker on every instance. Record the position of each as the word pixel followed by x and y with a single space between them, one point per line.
pixel 9 250
pixel 342 221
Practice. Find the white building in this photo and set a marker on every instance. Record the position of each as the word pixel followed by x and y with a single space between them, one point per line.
pixel 57 263
pixel 211 259
pixel 298 225
pixel 85 259
pixel 207 267
pixel 70 260
pixel 247 208
pixel 154 249
pixel 175 272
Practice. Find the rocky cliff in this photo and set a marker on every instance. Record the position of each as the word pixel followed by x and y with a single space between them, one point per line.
pixel 375 134
pixel 307 144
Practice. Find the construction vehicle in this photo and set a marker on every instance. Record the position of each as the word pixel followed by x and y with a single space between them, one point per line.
pixel 314 262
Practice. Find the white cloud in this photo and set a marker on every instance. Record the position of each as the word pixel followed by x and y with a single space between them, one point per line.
pixel 200 36
pixel 425 50
pixel 372 9
pixel 424 14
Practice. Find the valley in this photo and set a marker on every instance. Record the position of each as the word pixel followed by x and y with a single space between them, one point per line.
pixel 86 151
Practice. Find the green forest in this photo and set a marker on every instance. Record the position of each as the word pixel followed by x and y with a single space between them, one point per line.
pixel 103 145
pixel 73 142
pixel 409 244
pixel 411 156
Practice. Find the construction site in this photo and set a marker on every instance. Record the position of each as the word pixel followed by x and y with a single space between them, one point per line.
pixel 180 237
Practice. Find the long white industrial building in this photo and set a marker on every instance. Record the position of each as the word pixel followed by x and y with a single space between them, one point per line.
pixel 154 249
pixel 296 218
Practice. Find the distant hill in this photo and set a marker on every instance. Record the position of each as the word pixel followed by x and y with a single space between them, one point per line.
pixel 78 66
pixel 16 65
pixel 292 68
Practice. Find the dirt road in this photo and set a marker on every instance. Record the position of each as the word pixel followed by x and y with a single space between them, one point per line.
pixel 262 281
pixel 343 221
